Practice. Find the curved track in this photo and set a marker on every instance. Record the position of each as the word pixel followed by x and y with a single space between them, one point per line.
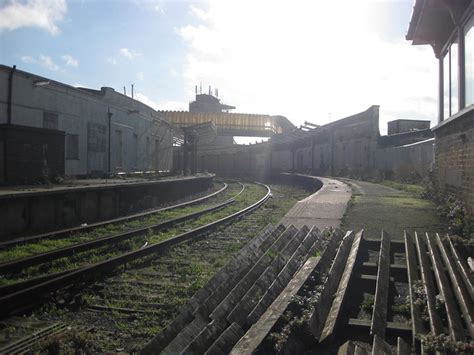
pixel 18 264
pixel 29 296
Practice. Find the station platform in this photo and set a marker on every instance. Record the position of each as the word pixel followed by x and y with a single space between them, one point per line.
pixel 27 210
pixel 324 208
pixel 82 185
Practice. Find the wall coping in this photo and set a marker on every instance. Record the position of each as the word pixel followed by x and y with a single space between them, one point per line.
pixel 460 115
pixel 410 145
pixel 9 193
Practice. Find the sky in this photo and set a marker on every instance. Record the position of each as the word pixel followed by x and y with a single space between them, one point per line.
pixel 315 61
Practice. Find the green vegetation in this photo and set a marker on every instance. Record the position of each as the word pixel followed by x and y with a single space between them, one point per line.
pixel 368 304
pixel 295 322
pixel 445 345
pixel 449 207
pixel 414 189
pixel 71 341
pixel 454 211
pixel 45 245
pixel 402 309
pixel 271 254
pixel 166 282
pixel 375 207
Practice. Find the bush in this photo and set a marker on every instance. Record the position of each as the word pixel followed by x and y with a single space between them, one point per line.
pixel 459 223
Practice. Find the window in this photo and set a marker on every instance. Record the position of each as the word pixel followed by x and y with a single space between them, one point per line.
pixel 454 78
pixel 451 80
pixel 446 98
pixel 72 146
pixel 50 120
pixel 469 60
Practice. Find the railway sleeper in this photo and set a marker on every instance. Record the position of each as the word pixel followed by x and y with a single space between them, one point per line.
pixel 265 292
pixel 213 329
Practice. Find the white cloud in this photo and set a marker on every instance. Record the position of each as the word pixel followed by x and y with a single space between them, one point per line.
pixel 70 60
pixel 48 63
pixel 32 13
pixel 28 59
pixel 129 53
pixel 307 61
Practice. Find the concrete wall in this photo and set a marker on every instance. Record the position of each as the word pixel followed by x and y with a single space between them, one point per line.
pixel 407 161
pixel 405 138
pixel 140 139
pixel 400 126
pixel 344 147
pixel 454 156
pixel 28 212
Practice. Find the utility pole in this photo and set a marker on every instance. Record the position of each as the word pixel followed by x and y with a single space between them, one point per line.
pixel 132 91
pixel 109 115
pixel 10 95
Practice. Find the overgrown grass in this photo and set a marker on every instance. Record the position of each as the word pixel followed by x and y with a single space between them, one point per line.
pixel 251 194
pixel 186 267
pixel 44 245
pixel 415 189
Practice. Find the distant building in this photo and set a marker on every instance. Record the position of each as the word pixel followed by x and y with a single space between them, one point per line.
pixel 104 131
pixel 207 103
pixel 448 26
pixel 401 126
pixel 208 108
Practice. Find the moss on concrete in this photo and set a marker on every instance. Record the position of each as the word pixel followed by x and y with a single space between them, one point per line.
pixel 374 207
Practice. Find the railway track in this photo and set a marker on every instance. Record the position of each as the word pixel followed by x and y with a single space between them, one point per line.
pixel 80 239
pixel 145 241
pixel 130 293
pixel 35 259
pixel 84 228
pixel 383 296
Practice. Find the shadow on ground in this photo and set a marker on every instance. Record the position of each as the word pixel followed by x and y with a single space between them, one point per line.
pixel 374 207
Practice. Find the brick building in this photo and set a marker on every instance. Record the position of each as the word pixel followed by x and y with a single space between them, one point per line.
pixel 448 26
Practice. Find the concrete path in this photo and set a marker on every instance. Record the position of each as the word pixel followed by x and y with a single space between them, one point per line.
pixel 374 207
pixel 324 208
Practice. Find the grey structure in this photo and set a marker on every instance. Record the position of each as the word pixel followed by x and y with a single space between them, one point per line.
pixel 400 126
pixel 105 131
pixel 351 146
pixel 208 103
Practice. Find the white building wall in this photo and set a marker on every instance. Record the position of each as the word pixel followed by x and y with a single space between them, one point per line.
pixel 77 109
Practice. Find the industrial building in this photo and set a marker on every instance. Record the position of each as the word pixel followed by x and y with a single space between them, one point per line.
pixel 351 146
pixel 401 126
pixel 104 132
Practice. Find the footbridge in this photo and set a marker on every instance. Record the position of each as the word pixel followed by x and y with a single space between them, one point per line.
pixel 232 124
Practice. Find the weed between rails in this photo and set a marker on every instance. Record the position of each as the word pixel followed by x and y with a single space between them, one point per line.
pixel 167 282
pixel 25 250
pixel 251 194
